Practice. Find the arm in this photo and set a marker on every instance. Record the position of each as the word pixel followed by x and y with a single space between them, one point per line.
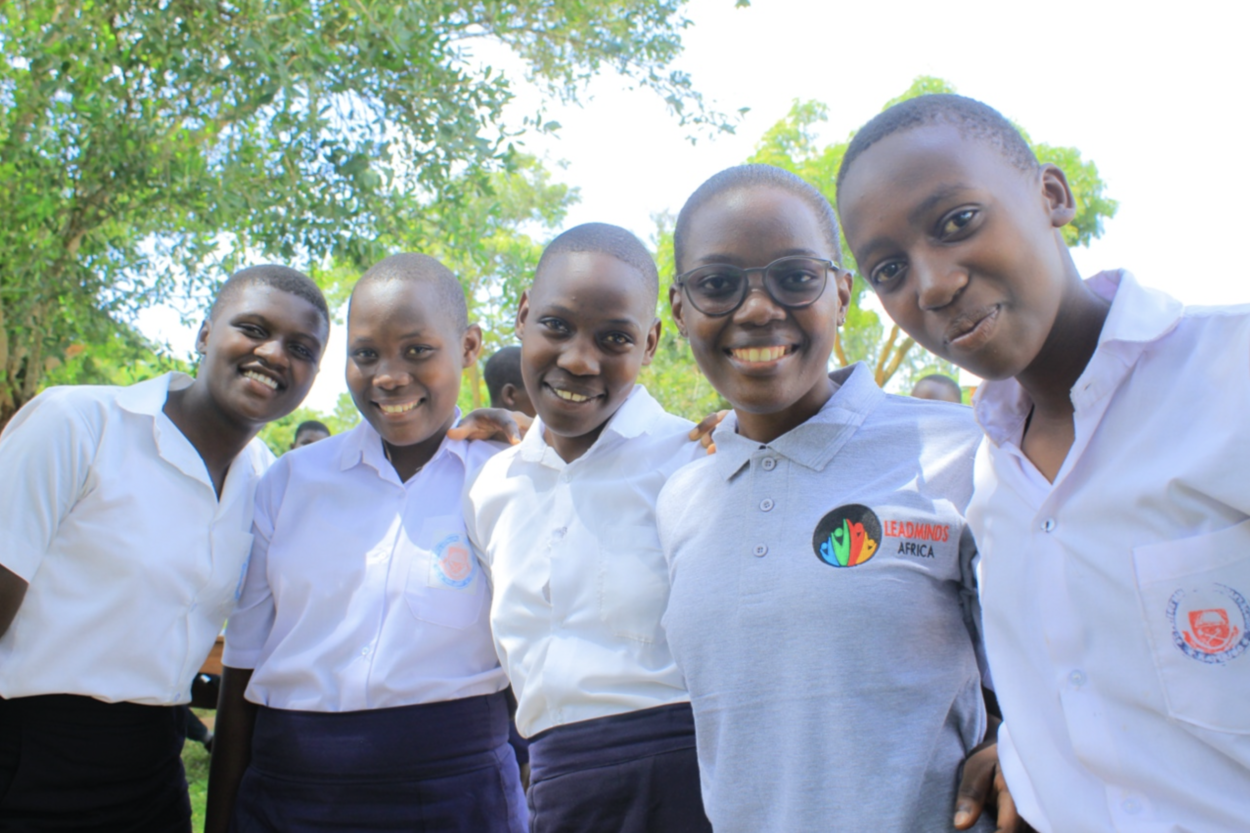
pixel 492 424
pixel 232 748
pixel 12 591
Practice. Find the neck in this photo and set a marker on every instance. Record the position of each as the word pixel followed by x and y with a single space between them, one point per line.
pixel 217 437
pixel 407 460
pixel 570 448
pixel 1073 338
pixel 764 428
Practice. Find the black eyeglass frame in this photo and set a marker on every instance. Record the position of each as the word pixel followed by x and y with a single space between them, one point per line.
pixel 681 283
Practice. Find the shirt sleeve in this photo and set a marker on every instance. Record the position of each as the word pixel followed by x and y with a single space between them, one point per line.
pixel 970 599
pixel 252 621
pixel 46 453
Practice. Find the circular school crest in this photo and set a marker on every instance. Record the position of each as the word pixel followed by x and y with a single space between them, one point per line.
pixel 1210 623
pixel 453 562
pixel 847 536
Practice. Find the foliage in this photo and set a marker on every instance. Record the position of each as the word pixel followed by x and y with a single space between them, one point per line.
pixel 146 143
pixel 280 433
pixel 792 144
pixel 122 357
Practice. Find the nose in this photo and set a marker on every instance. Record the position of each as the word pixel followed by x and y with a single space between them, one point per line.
pixel 938 282
pixel 758 307
pixel 579 357
pixel 391 374
pixel 273 352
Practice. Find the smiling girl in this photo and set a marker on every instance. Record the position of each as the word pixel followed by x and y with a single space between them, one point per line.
pixel 823 606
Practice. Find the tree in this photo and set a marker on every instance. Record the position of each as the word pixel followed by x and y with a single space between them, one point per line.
pixel 792 144
pixel 148 145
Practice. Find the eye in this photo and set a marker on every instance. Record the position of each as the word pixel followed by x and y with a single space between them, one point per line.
pixel 957 222
pixel 796 277
pixel 555 326
pixel 364 355
pixel 303 352
pixel 887 274
pixel 618 339
pixel 419 351
pixel 715 281
pixel 251 330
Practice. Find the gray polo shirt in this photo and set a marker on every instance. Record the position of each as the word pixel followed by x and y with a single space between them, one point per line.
pixel 824 613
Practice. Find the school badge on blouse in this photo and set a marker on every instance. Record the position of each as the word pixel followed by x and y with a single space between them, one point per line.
pixel 453 564
pixel 1210 623
pixel 847 536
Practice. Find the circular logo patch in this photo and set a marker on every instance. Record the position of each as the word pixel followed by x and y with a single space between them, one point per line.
pixel 1210 624
pixel 847 536
pixel 453 562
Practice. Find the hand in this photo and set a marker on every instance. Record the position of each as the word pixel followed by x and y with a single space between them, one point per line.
pixel 983 783
pixel 703 431
pixel 492 424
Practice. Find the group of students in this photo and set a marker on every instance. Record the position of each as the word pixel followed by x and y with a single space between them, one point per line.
pixel 797 632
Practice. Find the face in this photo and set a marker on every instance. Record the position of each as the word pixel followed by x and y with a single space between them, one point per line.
pixel 587 327
pixel 929 389
pixel 766 359
pixel 261 352
pixel 962 248
pixel 405 359
pixel 309 436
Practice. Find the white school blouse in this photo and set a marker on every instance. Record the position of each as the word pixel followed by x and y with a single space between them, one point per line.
pixel 362 592
pixel 580 583
pixel 1115 600
pixel 109 513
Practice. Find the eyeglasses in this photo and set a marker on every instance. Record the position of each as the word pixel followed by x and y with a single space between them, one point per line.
pixel 792 282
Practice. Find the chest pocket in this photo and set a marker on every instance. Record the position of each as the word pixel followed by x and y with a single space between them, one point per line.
pixel 445 584
pixel 633 584
pixel 1195 600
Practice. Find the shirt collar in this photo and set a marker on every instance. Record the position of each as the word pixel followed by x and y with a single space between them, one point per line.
pixel 633 419
pixel 1138 317
pixel 814 443
pixel 148 398
pixel 363 446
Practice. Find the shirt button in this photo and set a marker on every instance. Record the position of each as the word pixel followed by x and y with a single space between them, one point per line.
pixel 760 550
pixel 769 464
pixel 1077 678
pixel 1131 806
pixel 557 534
pixel 766 504
pixel 364 652
pixel 1048 525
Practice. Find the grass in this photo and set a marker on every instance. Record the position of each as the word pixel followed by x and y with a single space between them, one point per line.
pixel 195 761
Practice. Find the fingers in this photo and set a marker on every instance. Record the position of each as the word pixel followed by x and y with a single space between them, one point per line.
pixel 703 431
pixel 974 786
pixel 461 432
pixel 522 426
pixel 1009 820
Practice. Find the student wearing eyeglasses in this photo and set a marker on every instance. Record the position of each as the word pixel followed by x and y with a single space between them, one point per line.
pixel 823 607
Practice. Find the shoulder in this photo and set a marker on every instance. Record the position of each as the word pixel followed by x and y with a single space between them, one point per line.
pixel 943 423
pixel 476 453
pixel 685 484
pixel 484 478
pixel 87 408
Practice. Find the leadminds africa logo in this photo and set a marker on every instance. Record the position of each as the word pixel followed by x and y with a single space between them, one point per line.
pixel 847 536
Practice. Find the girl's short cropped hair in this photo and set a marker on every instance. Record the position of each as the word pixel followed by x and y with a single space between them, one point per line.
pixel 753 176
pixel 282 278
pixel 604 238
pixel 973 120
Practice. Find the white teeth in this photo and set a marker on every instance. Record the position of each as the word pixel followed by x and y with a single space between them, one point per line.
pixel 397 409
pixel 259 377
pixel 760 354
pixel 569 396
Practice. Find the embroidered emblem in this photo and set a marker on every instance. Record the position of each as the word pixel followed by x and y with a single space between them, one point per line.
pixel 1210 624
pixel 453 564
pixel 847 536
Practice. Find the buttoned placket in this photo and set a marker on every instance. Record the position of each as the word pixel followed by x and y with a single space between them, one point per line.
pixel 763 519
pixel 381 573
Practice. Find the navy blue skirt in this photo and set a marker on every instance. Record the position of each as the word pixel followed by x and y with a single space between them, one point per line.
pixel 436 767
pixel 74 763
pixel 629 773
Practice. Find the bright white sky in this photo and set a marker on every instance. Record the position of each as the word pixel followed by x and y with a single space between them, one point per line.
pixel 1151 92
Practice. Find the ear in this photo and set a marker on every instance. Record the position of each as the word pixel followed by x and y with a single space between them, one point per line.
pixel 677 302
pixel 653 341
pixel 201 338
pixel 522 312
pixel 507 394
pixel 472 344
pixel 843 281
pixel 1057 196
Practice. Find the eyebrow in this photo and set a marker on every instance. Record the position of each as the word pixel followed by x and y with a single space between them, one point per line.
pixel 269 325
pixel 941 195
pixel 560 309
pixel 733 260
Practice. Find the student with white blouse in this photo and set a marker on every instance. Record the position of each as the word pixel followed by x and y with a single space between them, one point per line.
pixel 565 525
pixel 125 518
pixel 361 689
pixel 1112 500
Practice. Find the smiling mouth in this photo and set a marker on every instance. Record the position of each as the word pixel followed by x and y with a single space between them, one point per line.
pixel 761 355
pixel 256 376
pixel 400 408
pixel 570 396
pixel 971 329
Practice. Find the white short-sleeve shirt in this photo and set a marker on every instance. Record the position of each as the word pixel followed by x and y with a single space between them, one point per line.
pixel 110 514
pixel 1115 599
pixel 362 591
pixel 580 583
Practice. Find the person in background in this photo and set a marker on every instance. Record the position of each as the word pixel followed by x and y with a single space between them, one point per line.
pixel 308 432
pixel 504 382
pixel 937 387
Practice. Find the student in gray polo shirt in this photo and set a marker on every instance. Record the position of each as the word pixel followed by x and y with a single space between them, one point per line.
pixel 823 605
